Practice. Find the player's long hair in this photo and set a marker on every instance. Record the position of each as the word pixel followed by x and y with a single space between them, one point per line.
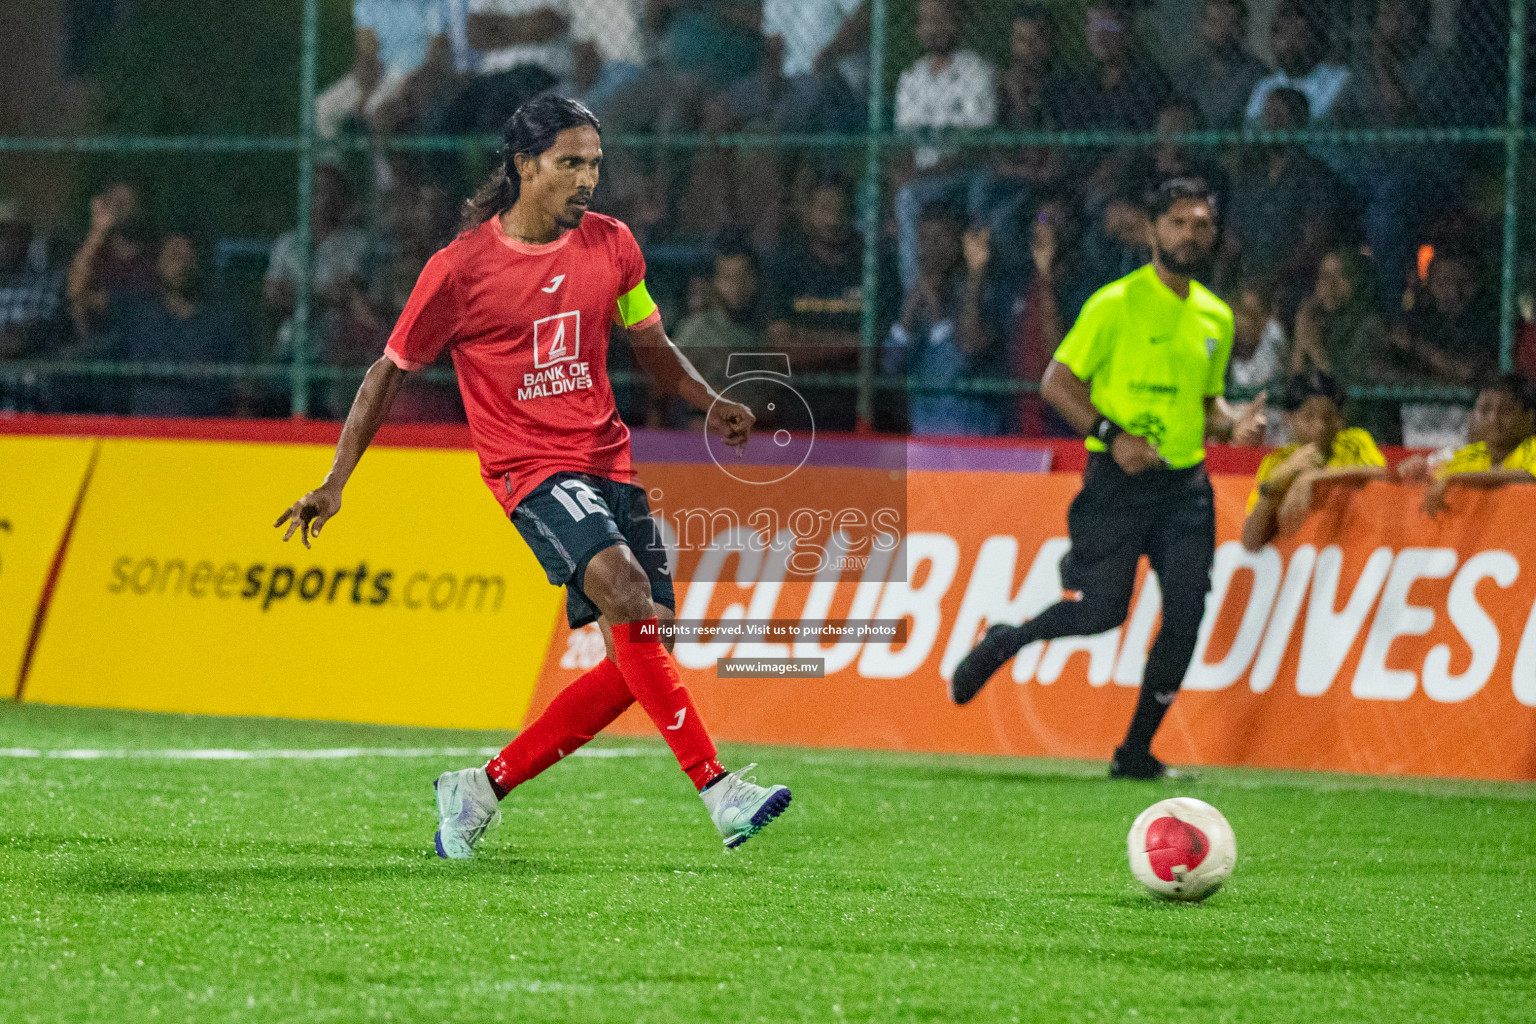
pixel 531 130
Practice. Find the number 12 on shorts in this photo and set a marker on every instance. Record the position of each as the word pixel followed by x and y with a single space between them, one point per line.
pixel 586 499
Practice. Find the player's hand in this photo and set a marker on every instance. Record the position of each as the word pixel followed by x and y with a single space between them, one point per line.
pixel 1134 454
pixel 731 421
pixel 310 513
pixel 1248 431
pixel 1434 499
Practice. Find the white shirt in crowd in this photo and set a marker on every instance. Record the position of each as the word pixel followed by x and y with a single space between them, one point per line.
pixel 962 94
pixel 404 28
pixel 614 25
pixel 554 55
pixel 1263 367
pixel 807 26
pixel 1322 87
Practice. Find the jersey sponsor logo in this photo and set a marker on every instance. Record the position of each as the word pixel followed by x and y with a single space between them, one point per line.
pixel 557 339
pixel 554 284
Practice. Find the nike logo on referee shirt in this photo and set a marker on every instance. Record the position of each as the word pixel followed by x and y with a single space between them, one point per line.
pixel 554 284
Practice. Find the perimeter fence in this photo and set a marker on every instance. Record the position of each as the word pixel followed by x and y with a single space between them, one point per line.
pixel 925 190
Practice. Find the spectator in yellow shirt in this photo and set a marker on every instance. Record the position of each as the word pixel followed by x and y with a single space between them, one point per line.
pixel 1501 451
pixel 1323 451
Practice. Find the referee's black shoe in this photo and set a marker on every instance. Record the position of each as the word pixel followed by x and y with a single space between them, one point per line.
pixel 998 645
pixel 1133 765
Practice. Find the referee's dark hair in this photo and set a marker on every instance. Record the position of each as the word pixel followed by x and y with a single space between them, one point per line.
pixel 1307 385
pixel 1175 190
pixel 530 130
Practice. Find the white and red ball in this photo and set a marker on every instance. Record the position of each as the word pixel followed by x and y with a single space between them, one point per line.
pixel 1182 848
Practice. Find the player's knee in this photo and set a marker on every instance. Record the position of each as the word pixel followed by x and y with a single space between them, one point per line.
pixel 1183 617
pixel 1103 613
pixel 625 596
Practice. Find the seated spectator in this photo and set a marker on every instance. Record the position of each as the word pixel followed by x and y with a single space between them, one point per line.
pixel 1118 89
pixel 402 63
pixel 1501 449
pixel 177 322
pixel 1258 338
pixel 31 298
pixel 116 256
pixel 511 50
pixel 1287 208
pixel 731 320
pixel 1338 330
pixel 710 43
pixel 820 79
pixel 1048 304
pixel 949 330
pixel 1399 83
pixel 1299 44
pixel 420 221
pixel 1115 242
pixel 816 299
pixel 609 56
pixel 947 88
pixel 1170 159
pixel 1222 72
pixel 1323 451
pixel 1014 183
pixel 342 263
pixel 1450 336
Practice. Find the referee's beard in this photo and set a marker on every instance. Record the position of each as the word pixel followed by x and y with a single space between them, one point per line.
pixel 1191 259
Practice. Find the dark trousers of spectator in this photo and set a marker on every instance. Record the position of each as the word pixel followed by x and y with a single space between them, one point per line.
pixel 1167 515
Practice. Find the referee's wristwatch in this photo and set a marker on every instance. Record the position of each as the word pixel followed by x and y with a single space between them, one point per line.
pixel 1105 430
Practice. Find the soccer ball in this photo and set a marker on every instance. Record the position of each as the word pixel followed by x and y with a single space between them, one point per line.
pixel 1182 849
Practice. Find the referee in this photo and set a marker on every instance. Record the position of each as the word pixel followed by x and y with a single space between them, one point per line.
pixel 1141 375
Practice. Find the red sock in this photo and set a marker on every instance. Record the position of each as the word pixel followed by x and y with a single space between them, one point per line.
pixel 652 677
pixel 578 712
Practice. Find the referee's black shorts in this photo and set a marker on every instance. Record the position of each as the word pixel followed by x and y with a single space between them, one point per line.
pixel 1169 515
pixel 570 517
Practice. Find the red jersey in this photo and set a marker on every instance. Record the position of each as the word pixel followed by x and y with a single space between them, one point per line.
pixel 528 327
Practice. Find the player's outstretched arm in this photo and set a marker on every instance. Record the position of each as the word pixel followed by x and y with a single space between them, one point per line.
pixel 369 408
pixel 665 363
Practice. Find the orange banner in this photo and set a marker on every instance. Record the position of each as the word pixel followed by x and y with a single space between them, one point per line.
pixel 1377 640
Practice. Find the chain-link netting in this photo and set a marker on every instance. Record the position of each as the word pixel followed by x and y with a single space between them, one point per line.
pixel 934 237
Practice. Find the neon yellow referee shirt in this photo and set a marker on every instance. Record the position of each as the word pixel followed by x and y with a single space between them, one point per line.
pixel 1152 359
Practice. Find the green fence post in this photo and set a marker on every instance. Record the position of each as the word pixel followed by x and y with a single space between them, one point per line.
pixel 1514 138
pixel 870 201
pixel 305 286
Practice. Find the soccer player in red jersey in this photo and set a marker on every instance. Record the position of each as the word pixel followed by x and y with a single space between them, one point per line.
pixel 524 298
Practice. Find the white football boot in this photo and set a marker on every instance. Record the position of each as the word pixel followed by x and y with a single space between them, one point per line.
pixel 466 807
pixel 740 808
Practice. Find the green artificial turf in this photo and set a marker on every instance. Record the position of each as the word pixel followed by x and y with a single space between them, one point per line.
pixel 897 887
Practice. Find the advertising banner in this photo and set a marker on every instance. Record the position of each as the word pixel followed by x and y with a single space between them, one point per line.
pixel 40 479
pixel 1376 640
pixel 419 605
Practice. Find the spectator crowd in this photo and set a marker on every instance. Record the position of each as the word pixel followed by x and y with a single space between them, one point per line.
pixel 1369 264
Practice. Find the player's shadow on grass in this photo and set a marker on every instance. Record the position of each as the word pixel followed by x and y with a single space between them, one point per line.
pixel 117 878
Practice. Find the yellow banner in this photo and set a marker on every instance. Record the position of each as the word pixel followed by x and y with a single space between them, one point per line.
pixel 39 482
pixel 419 604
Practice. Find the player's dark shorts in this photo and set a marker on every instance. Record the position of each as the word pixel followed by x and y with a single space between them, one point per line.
pixel 1169 515
pixel 572 516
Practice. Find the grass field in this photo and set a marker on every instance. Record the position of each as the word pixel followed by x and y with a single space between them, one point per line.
pixel 898 887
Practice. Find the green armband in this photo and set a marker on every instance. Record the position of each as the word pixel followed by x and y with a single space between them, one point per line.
pixel 636 306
